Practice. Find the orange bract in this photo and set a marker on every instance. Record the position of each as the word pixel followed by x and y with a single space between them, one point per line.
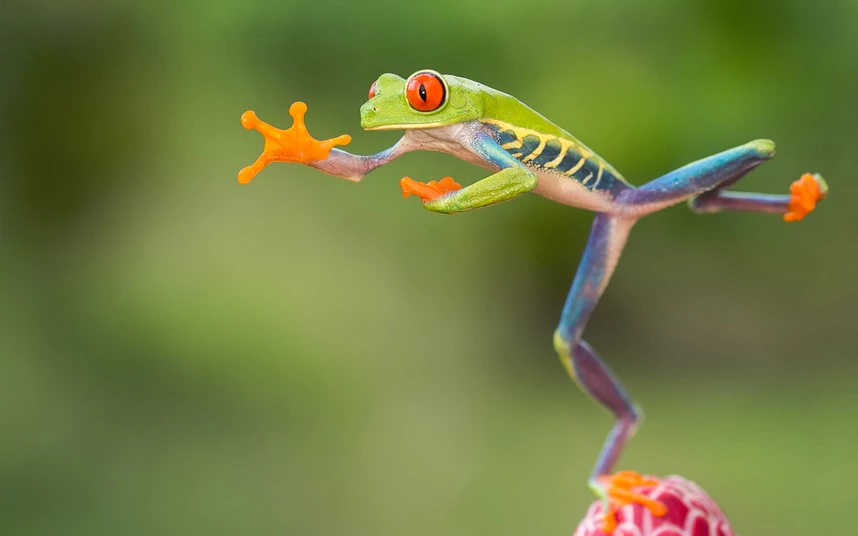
pixel 618 488
pixel 291 145
pixel 805 193
pixel 428 191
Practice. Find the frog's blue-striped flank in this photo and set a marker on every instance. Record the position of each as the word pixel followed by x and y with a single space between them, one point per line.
pixel 563 155
pixel 527 153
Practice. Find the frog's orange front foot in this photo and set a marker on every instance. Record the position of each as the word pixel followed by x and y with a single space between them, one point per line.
pixel 428 191
pixel 291 145
pixel 624 488
pixel 805 193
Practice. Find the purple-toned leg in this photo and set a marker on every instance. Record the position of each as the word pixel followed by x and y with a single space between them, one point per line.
pixel 804 195
pixel 725 200
pixel 607 238
pixel 600 383
pixel 353 167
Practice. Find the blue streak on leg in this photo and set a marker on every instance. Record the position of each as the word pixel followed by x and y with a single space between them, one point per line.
pixel 717 171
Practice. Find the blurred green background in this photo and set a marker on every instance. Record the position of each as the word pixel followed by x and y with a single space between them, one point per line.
pixel 185 355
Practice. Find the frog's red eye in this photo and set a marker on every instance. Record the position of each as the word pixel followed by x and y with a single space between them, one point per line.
pixel 372 89
pixel 426 92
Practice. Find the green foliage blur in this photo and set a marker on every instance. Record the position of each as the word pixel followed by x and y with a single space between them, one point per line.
pixel 307 356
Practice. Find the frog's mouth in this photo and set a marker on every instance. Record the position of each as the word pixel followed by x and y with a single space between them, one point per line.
pixel 367 123
pixel 375 115
pixel 403 126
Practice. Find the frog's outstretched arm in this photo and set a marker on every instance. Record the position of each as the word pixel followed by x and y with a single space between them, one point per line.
pixel 296 145
pixel 512 180
pixel 353 167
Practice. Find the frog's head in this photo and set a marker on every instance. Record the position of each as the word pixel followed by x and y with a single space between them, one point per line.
pixel 426 99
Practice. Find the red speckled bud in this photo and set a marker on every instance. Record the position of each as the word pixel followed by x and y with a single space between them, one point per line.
pixel 690 512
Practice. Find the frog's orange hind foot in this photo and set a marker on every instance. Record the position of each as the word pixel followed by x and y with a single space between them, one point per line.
pixel 428 191
pixel 624 488
pixel 291 145
pixel 805 193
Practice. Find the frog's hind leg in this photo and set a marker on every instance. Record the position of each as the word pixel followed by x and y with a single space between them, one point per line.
pixel 804 194
pixel 703 184
pixel 607 238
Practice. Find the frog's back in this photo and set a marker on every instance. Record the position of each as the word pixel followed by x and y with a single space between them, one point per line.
pixel 543 146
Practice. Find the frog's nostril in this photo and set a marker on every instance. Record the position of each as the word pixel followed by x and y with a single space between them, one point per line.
pixel 374 109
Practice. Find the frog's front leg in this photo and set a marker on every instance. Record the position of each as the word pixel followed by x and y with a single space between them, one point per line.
pixel 512 180
pixel 296 145
pixel 353 167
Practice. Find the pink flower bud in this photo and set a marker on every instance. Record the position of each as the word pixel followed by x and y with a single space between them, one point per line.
pixel 690 512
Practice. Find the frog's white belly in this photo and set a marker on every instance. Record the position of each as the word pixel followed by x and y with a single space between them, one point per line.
pixel 567 191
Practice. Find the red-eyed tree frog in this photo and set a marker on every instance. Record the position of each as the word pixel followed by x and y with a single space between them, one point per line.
pixel 526 152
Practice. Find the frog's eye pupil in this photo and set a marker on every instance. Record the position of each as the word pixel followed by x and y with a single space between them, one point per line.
pixel 426 91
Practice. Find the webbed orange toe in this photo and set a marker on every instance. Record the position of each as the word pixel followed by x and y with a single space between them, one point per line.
pixel 428 191
pixel 291 145
pixel 623 488
pixel 805 194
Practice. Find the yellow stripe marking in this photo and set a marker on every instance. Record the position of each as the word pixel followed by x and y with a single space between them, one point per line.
pixel 538 151
pixel 565 145
pixel 578 166
pixel 521 133
pixel 599 176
